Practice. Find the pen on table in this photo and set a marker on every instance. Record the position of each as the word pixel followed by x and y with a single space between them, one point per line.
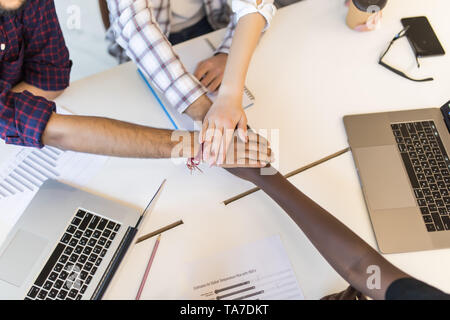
pixel 159 231
pixel 147 270
pixel 290 174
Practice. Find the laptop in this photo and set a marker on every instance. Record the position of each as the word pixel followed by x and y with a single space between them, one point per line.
pixel 67 245
pixel 403 163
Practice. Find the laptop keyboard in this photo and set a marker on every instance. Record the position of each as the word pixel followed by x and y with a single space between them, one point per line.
pixel 76 258
pixel 428 166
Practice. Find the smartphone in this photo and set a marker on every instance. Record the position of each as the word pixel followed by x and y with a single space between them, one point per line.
pixel 422 38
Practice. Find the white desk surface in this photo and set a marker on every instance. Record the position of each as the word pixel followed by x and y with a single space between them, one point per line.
pixel 309 70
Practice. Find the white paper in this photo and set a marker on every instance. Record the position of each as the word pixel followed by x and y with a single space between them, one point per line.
pixel 259 270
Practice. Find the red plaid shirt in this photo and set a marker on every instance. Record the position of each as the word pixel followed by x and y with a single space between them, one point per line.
pixel 32 50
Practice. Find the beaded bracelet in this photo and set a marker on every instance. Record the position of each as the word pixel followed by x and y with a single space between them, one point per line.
pixel 193 163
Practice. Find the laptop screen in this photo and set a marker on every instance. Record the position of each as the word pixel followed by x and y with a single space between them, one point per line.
pixel 446 113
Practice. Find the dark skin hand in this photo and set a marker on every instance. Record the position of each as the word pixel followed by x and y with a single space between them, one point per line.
pixel 345 251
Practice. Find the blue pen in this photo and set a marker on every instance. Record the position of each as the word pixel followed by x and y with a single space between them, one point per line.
pixel 157 98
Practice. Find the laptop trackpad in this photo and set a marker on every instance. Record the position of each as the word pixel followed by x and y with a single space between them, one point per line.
pixel 20 256
pixel 385 181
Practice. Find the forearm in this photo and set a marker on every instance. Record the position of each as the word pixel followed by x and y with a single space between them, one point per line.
pixel 246 37
pixel 346 252
pixel 49 95
pixel 116 138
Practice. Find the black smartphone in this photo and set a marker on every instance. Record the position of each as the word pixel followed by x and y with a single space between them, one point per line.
pixel 422 38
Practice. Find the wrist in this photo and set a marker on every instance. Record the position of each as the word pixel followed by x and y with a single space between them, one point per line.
pixel 195 144
pixel 198 110
pixel 190 145
pixel 267 180
pixel 230 92
pixel 229 101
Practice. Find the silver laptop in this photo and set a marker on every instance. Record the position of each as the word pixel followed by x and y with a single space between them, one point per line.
pixel 403 163
pixel 67 245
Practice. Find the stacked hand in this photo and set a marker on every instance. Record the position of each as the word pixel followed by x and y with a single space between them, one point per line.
pixel 255 153
pixel 225 116
pixel 219 126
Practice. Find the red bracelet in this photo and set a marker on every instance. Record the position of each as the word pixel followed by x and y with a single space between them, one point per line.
pixel 193 163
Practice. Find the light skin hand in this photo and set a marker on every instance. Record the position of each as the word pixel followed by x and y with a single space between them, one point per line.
pixel 210 72
pixel 255 153
pixel 227 114
pixel 198 110
pixel 219 126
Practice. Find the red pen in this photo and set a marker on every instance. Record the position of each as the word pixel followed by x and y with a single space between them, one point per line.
pixel 147 270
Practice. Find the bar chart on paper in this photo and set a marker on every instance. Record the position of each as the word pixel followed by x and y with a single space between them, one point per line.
pixel 256 271
pixel 28 170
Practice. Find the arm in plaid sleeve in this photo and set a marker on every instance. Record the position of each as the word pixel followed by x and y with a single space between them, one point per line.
pixel 46 67
pixel 242 8
pixel 138 33
pixel 23 117
pixel 46 63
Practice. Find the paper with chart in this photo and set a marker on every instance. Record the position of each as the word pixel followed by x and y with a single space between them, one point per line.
pixel 24 170
pixel 257 271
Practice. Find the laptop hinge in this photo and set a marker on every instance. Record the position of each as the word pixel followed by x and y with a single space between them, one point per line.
pixel 114 264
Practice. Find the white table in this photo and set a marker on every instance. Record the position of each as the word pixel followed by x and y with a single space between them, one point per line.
pixel 304 81
pixel 317 70
pixel 308 71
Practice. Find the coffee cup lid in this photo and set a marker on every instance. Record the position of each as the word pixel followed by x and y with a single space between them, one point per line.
pixel 365 5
